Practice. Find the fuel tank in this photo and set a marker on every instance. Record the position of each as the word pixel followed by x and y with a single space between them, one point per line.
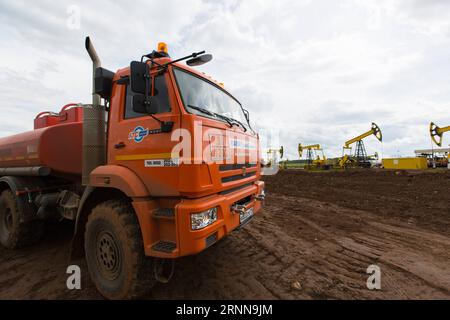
pixel 53 144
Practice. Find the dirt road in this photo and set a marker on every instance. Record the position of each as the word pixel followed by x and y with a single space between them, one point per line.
pixel 315 238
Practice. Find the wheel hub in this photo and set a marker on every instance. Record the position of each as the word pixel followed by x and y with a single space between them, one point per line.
pixel 108 255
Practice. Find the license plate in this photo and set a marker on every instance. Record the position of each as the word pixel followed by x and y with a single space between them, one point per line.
pixel 245 216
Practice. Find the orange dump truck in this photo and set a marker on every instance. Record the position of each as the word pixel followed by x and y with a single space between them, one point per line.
pixel 162 164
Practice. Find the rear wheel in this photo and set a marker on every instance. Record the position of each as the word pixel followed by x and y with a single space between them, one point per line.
pixel 115 253
pixel 13 233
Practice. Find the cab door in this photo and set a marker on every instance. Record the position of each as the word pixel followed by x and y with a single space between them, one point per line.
pixel 136 141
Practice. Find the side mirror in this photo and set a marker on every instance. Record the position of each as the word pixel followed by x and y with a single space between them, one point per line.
pixel 147 105
pixel 139 73
pixel 198 61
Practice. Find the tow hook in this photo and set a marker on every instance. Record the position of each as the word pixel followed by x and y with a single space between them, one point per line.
pixel 261 196
pixel 238 209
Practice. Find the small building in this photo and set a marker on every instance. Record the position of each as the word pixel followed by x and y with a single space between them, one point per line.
pixel 412 163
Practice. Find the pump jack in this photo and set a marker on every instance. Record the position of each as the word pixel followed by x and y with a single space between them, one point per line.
pixel 272 156
pixel 315 157
pixel 360 158
pixel 436 133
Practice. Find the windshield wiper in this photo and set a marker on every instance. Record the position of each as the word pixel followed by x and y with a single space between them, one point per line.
pixel 240 123
pixel 230 121
pixel 201 109
pixel 213 114
pixel 234 121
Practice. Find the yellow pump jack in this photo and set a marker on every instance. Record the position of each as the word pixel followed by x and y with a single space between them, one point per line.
pixel 315 157
pixel 272 156
pixel 360 159
pixel 436 134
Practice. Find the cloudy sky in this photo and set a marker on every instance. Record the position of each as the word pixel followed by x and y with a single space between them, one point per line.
pixel 320 71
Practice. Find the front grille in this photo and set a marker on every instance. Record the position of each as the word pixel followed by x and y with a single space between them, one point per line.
pixel 235 166
pixel 238 177
pixel 235 189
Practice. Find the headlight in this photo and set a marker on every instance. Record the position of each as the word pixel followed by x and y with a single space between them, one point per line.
pixel 203 219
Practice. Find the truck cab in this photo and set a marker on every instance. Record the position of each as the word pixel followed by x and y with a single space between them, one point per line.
pixel 204 164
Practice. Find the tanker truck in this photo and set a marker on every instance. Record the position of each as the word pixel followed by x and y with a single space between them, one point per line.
pixel 162 164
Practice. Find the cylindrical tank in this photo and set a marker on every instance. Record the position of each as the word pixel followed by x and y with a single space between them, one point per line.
pixel 58 147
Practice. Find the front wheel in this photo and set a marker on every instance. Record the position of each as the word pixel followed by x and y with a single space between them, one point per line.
pixel 115 253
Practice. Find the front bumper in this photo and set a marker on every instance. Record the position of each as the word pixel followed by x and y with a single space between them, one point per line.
pixel 189 241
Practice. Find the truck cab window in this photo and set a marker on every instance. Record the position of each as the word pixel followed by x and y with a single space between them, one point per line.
pixel 129 112
pixel 159 91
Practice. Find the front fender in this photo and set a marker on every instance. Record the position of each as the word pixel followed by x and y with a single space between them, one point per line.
pixel 106 182
pixel 118 177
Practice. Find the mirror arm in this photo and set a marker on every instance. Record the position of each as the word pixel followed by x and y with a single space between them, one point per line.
pixel 164 66
pixel 148 56
pixel 194 55
pixel 147 86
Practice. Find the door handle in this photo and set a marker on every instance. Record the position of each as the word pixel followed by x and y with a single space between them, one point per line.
pixel 119 145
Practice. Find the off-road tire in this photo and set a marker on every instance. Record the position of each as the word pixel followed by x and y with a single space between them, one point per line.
pixel 13 233
pixel 115 252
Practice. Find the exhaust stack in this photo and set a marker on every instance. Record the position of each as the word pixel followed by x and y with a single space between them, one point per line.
pixel 94 134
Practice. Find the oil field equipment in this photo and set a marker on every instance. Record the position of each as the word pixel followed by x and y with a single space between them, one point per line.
pixel 436 133
pixel 272 156
pixel 414 163
pixel 360 158
pixel 373 156
pixel 315 157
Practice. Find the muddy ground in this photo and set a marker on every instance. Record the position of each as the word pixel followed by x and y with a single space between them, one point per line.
pixel 314 239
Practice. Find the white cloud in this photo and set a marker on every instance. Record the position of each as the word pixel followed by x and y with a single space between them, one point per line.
pixel 321 71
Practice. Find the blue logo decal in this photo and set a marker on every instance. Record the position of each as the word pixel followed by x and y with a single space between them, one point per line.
pixel 138 134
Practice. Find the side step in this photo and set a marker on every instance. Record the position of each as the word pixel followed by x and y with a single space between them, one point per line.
pixel 165 246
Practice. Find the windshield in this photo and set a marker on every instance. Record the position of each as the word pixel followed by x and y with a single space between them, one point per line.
pixel 203 98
